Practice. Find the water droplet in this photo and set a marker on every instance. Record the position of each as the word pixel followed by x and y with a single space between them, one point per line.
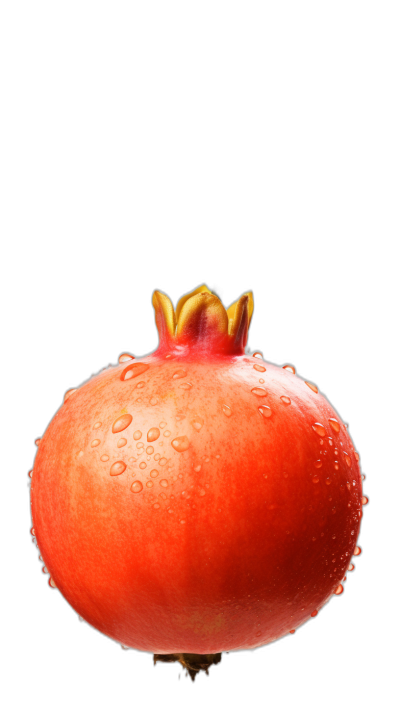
pixel 150 450
pixel 262 381
pixel 117 468
pixel 167 433
pixel 315 479
pixel 164 482
pixel 357 550
pixel 134 370
pixel 154 473
pixel 97 425
pixel 30 473
pixel 121 423
pixel 197 423
pixel 289 368
pixel 355 454
pixel 68 394
pixel 286 400
pixel 125 357
pixel 335 425
pixel 186 386
pixel 259 367
pixel 162 424
pixel 149 484
pixel 318 464
pixel 364 500
pixel 153 401
pixel 163 461
pixel 336 466
pixel 32 531
pixel 197 468
pixel 121 443
pixel 37 442
pixel 181 443
pixel 319 429
pixel 179 374
pixel 156 505
pixel 363 477
pixel 137 434
pixel 153 434
pixel 142 465
pixel 314 614
pixel 140 385
pixel 259 391
pixel 227 410
pixel 104 457
pixel 52 583
pixel 351 567
pixel 292 632
pixel 182 522
pixel 44 570
pixel 257 354
pixel 137 486
pixel 265 411
pixel 312 386
pixel 328 480
pixel 347 458
pixel 339 589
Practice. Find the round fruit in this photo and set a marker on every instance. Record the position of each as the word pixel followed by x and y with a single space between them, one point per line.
pixel 199 499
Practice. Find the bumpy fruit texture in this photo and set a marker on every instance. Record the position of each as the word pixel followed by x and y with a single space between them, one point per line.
pixel 199 499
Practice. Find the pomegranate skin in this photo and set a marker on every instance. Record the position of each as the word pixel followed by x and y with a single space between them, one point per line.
pixel 240 537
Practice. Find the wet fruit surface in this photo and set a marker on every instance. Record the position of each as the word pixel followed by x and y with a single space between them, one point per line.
pixel 179 506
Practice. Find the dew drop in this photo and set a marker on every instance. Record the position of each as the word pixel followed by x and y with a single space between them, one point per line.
pixel 286 400
pixel 164 483
pixel 357 550
pixel 351 567
pixel 289 368
pixel 162 424
pixel 121 423
pixel 182 522
pixel 167 433
pixel 181 443
pixel 186 386
pixel 142 465
pixel 52 583
pixel 150 450
pixel 140 385
pixel 179 374
pixel 319 429
pixel 363 477
pixel 95 443
pixel 314 614
pixel 259 391
pixel 104 457
pixel 149 484
pixel 156 505
pixel 328 480
pixel 335 425
pixel 121 443
pixel 262 381
pixel 336 466
pixel 258 354
pixel 265 411
pixel 44 570
pixel 37 442
pixel 197 468
pixel 30 473
pixel 32 531
pixel 157 457
pixel 259 367
pixel 315 479
pixel 357 456
pixel 339 589
pixel 137 434
pixel 153 434
pixel 347 458
pixel 68 394
pixel 163 461
pixel 292 632
pixel 226 410
pixel 134 370
pixel 137 486
pixel 97 425
pixel 139 445
pixel 312 386
pixel 154 473
pixel 153 401
pixel 364 500
pixel 318 464
pixel 197 423
pixel 117 468
pixel 125 357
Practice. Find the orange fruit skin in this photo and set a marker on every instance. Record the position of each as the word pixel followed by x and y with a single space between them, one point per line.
pixel 235 543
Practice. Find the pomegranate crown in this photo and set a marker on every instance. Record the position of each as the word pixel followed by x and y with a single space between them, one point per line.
pixel 201 321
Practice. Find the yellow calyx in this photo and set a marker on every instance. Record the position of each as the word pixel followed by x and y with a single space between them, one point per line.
pixel 200 317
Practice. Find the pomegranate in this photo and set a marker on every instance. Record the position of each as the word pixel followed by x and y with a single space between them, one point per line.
pixel 199 499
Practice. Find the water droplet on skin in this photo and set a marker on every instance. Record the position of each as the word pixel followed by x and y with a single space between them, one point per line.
pixel 351 567
pixel 125 357
pixel 265 411
pixel 95 443
pixel 164 483
pixel 32 531
pixel 97 425
pixel 140 385
pixel 289 368
pixel 104 457
pixel 363 477
pixel 336 466
pixel 315 479
pixel 163 461
pixel 292 632
pixel 314 614
pixel 181 443
pixel 259 391
pixel 227 410
pixel 68 394
pixel 153 434
pixel 286 400
pixel 364 500
pixel 186 386
pixel 318 464
pixel 328 480
pixel 339 589
pixel 259 367
pixel 182 522
pixel 319 429
pixel 37 442
pixel 121 443
pixel 257 354
pixel 137 434
pixel 154 473
pixel 30 473
pixel 44 570
pixel 142 465
pixel 197 468
pixel 134 370
pixel 312 386
pixel 52 583
pixel 149 484
pixel 121 423
pixel 357 550
pixel 157 457
pixel 167 433
pixel 197 423
pixel 150 450
pixel 139 445
pixel 137 486
pixel 335 425
pixel 179 374
pixel 262 381
pixel 357 456
pixel 347 458
pixel 117 468
pixel 156 505
pixel 153 401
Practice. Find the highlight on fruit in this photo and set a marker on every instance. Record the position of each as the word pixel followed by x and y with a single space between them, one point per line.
pixel 200 499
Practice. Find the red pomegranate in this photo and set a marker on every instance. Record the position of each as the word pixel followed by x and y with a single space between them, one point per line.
pixel 199 499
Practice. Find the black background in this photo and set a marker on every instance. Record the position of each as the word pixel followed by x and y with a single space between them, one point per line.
pixel 87 298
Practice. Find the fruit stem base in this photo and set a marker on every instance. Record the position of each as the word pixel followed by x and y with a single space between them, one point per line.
pixel 193 663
